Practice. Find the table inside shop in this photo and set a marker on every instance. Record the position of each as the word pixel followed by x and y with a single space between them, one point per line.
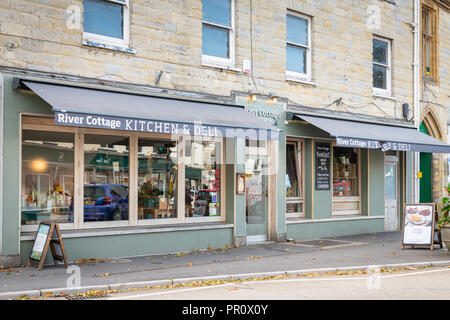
pixel 32 216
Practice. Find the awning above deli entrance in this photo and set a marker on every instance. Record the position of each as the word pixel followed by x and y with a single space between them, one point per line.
pixel 95 108
pixel 376 136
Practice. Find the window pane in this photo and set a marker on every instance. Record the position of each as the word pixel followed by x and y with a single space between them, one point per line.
pixel 380 51
pixel 294 207
pixel 345 172
pixel 215 42
pixel 103 18
pixel 345 206
pixel 47 177
pixel 105 178
pixel 217 11
pixel 296 59
pixel 379 77
pixel 390 182
pixel 428 56
pixel 292 180
pixel 202 178
pixel 157 179
pixel 297 30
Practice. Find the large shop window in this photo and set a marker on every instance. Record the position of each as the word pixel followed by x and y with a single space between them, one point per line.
pixel 47 177
pixel 203 178
pixel 346 193
pixel 157 179
pixel 121 179
pixel 294 178
pixel 106 176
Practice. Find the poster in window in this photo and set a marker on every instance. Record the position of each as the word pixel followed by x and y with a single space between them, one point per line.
pixel 418 224
pixel 322 157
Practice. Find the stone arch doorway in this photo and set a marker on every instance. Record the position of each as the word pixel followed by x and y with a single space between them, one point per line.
pixel 431 165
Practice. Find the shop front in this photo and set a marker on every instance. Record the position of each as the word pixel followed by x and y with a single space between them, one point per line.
pixel 124 174
pixel 348 176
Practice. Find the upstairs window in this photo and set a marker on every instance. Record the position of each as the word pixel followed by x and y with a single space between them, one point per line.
pixel 381 66
pixel 106 22
pixel 429 36
pixel 217 32
pixel 298 47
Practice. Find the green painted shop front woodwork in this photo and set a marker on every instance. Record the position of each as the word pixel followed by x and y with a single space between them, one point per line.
pixel 110 242
pixel 319 220
pixel 425 168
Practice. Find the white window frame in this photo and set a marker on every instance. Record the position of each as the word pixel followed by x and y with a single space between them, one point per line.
pixel 298 76
pixel 388 91
pixel 299 145
pixel 217 61
pixel 114 42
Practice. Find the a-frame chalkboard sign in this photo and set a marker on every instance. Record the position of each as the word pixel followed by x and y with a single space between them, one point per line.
pixel 48 235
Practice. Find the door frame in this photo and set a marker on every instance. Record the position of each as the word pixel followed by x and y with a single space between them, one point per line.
pixel 270 195
pixel 393 160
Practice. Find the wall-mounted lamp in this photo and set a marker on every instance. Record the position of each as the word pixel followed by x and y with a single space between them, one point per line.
pixel 405 110
pixel 252 97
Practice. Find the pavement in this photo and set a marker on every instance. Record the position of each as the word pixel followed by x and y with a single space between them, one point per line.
pixel 268 259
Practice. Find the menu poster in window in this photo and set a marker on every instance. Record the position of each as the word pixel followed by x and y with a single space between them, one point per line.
pixel 322 157
pixel 418 224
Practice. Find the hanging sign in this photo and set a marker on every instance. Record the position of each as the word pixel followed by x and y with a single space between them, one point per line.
pixel 323 172
pixel 418 224
pixel 48 235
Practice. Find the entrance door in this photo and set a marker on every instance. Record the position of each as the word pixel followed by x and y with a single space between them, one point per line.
pixel 425 167
pixel 256 197
pixel 425 181
pixel 391 196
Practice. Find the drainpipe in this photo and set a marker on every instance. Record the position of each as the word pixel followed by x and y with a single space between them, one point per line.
pixel 416 65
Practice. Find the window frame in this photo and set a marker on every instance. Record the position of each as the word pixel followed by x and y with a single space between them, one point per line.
pixel 217 61
pixel 121 43
pixel 433 37
pixel 299 159
pixel 298 76
pixel 37 122
pixel 380 91
pixel 349 199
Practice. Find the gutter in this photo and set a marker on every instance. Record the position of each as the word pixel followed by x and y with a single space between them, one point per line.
pixel 416 67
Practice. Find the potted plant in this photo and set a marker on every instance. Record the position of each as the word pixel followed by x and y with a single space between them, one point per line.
pixel 444 221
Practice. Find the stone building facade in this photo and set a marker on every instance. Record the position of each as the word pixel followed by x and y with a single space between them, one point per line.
pixel 161 54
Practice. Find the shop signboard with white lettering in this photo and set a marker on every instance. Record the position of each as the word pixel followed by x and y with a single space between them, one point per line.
pixel 372 144
pixel 159 126
pixel 322 161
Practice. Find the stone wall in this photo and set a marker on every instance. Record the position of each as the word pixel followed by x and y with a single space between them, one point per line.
pixel 435 103
pixel 166 36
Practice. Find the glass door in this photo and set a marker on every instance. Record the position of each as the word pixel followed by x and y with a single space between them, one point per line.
pixel 256 194
pixel 391 197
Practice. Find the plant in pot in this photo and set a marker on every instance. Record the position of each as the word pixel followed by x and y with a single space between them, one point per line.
pixel 444 221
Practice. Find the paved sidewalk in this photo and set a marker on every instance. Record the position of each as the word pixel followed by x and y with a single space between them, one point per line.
pixel 259 260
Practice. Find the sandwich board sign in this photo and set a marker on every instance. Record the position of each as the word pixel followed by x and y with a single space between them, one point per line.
pixel 418 225
pixel 48 235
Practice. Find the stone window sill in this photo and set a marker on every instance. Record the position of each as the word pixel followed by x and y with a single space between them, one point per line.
pixel 70 234
pixel 113 47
